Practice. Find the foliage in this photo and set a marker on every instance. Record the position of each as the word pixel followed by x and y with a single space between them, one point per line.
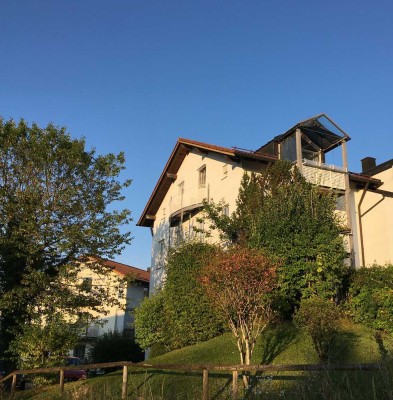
pixel 238 282
pixel 189 314
pixel 115 346
pixel 179 315
pixel 277 210
pixel 371 297
pixel 44 345
pixel 54 199
pixel 150 325
pixel 320 317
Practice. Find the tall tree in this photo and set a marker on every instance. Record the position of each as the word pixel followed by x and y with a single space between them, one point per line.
pixel 54 211
pixel 277 210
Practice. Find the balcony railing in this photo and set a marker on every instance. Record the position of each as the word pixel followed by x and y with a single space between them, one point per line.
pixel 189 196
pixel 325 175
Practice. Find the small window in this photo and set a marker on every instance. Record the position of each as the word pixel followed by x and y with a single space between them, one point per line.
pixel 225 211
pixel 145 292
pixel 121 291
pixel 87 284
pixel 202 177
pixel 161 248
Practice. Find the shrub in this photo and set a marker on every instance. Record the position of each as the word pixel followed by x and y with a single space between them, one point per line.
pixel 114 346
pixel 320 318
pixel 150 327
pixel 371 297
pixel 180 314
pixel 189 313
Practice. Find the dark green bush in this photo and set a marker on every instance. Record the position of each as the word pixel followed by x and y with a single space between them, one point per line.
pixel 114 346
pixel 191 317
pixel 179 315
pixel 150 326
pixel 320 317
pixel 371 297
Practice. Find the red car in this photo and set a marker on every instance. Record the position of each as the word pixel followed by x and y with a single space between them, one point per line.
pixel 74 374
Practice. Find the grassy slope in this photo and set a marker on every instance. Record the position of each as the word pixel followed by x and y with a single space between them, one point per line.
pixel 281 345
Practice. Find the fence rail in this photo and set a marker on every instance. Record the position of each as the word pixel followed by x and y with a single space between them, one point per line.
pixel 204 368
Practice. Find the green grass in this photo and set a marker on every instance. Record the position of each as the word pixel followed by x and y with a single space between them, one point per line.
pixel 283 344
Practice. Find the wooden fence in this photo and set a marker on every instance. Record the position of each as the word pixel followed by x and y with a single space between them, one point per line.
pixel 203 368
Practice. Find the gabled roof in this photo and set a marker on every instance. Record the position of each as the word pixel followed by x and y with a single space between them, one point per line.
pixel 124 270
pixel 168 175
pixel 320 130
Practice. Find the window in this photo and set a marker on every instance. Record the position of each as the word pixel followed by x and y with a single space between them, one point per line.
pixel 87 284
pixel 121 291
pixel 202 177
pixel 145 292
pixel 225 211
pixel 161 248
pixel 181 194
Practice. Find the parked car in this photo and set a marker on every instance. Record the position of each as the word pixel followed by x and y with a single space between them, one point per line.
pixel 74 374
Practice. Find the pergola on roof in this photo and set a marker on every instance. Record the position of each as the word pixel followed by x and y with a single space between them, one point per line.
pixel 321 133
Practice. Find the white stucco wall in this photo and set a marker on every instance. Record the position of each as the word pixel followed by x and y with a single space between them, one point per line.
pixel 219 185
pixel 114 315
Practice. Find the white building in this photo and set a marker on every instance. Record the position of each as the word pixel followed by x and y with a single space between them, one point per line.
pixel 197 171
pixel 128 292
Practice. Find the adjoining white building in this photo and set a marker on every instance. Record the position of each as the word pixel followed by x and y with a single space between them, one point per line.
pixel 129 293
pixel 196 171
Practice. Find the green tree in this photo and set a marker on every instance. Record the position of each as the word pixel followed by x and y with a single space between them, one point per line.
pixel 277 210
pixel 54 210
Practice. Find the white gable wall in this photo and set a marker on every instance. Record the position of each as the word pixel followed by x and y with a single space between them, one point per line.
pixel 223 177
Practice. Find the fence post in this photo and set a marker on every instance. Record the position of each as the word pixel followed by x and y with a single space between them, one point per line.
pixel 205 389
pixel 235 376
pixel 62 380
pixel 125 383
pixel 13 386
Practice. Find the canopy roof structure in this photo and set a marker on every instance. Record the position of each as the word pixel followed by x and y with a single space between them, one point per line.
pixel 319 133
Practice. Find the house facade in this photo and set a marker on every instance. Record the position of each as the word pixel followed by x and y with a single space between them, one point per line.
pixel 128 285
pixel 196 171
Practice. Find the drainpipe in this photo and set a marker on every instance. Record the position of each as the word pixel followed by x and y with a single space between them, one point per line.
pixel 360 224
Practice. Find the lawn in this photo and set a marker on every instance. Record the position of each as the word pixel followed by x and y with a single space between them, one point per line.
pixel 283 344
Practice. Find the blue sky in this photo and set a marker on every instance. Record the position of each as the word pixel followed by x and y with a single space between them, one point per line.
pixel 134 76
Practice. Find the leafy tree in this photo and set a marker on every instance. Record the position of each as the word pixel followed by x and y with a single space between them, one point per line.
pixel 277 210
pixel 54 200
pixel 40 344
pixel 238 282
